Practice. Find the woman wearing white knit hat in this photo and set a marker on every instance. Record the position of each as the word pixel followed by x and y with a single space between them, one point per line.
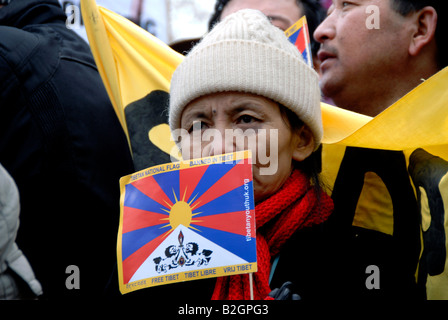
pixel 245 76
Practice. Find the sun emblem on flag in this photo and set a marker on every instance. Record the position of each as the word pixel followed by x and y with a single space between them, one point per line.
pixel 181 213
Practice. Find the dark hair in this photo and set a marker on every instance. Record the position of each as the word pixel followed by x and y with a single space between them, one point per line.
pixel 313 10
pixel 405 7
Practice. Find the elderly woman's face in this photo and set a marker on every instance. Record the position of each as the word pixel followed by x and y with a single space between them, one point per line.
pixel 228 122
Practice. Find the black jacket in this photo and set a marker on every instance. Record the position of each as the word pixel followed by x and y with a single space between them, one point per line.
pixel 62 142
pixel 306 260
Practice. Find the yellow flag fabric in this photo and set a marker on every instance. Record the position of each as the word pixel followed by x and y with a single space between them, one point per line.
pixel 418 120
pixel 130 60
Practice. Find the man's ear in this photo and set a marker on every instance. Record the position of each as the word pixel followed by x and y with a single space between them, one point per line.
pixel 304 144
pixel 424 31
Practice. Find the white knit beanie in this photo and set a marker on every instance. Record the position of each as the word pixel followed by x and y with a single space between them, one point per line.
pixel 246 53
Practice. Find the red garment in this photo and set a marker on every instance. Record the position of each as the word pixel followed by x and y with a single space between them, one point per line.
pixel 293 207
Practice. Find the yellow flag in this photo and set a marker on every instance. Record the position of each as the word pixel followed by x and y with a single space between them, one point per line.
pixel 132 63
pixel 418 120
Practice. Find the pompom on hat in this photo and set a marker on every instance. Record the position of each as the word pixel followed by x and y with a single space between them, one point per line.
pixel 246 53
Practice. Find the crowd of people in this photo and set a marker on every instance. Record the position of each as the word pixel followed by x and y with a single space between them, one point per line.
pixel 63 151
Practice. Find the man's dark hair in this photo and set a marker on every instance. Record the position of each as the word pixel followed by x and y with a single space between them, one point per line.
pixel 313 10
pixel 405 7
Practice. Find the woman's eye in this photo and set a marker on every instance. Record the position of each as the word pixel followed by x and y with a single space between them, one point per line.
pixel 246 119
pixel 198 125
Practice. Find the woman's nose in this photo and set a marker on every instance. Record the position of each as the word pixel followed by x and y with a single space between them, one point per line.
pixel 218 141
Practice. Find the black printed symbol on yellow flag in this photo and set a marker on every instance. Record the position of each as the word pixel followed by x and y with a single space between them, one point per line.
pixel 149 133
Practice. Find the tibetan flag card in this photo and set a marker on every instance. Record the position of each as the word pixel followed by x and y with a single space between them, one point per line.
pixel 187 220
pixel 299 35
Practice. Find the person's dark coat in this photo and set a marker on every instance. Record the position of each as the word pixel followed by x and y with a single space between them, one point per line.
pixel 64 146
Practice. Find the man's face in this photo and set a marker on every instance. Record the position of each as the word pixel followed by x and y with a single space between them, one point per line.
pixel 282 13
pixel 359 63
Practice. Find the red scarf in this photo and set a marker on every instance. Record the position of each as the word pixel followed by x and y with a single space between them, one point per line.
pixel 293 207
